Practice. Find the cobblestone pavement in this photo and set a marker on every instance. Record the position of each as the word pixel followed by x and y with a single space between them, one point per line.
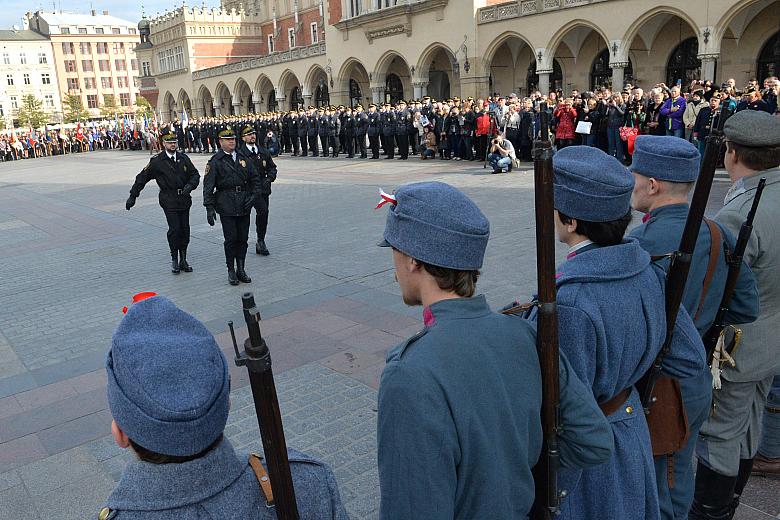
pixel 72 257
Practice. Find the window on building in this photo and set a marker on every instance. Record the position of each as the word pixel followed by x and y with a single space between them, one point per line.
pixel 85 48
pixel 102 48
pixel 23 58
pixel 42 59
pixel 99 30
pixel 66 30
pixel 92 101
pixel 120 64
pixel 73 83
pixel 134 64
pixel 89 83
pixel 82 30
pixel 9 78
pixel 146 68
pixel 270 43
pixel 179 55
pixel 132 30
pixel 6 58
pixel 2 112
pixel 104 65
pixel 291 37
pixel 135 81
pixel 26 78
pixel 684 64
pixel 121 82
pixel 118 47
pixel 315 35
pixel 124 99
pixel 45 79
pixel 86 65
pixel 48 100
pixel 14 103
pixel 105 82
pixel 354 7
pixel 115 30
pixel 70 65
pixel 68 48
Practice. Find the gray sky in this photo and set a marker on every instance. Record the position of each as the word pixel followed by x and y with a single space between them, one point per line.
pixel 13 10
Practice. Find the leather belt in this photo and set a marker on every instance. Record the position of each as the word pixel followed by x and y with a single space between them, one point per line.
pixel 613 405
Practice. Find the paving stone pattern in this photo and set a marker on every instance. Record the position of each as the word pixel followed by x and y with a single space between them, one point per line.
pixel 72 256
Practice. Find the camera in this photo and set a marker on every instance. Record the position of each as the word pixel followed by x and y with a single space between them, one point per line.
pixel 495 141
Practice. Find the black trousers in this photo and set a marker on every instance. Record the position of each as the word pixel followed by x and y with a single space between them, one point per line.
pixel 313 145
pixel 374 142
pixel 286 143
pixel 360 139
pixel 324 143
pixel 414 141
pixel 178 229
pixel 295 144
pixel 350 144
pixel 403 144
pixel 236 233
pixel 304 145
pixel 261 218
pixel 334 143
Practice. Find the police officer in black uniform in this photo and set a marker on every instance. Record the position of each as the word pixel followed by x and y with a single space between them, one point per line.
pixel 177 177
pixel 312 132
pixel 264 164
pixel 348 124
pixel 303 132
pixel 230 187
pixel 361 128
pixel 334 129
pixel 322 129
pixel 374 124
pixel 403 119
pixel 388 131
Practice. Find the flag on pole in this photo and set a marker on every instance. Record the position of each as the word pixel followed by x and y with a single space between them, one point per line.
pixel 185 121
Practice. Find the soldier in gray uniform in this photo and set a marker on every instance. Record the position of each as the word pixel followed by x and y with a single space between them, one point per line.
pixel 729 438
pixel 459 425
pixel 168 393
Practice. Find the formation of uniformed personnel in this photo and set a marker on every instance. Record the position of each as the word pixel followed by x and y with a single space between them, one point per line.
pixel 459 427
pixel 231 186
pixel 665 169
pixel 177 177
pixel 729 438
pixel 266 169
pixel 612 324
pixel 168 394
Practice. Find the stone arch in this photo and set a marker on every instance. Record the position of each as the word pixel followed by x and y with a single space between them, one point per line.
pixel 574 46
pixel 744 34
pixel 185 104
pixel 169 108
pixel 438 71
pixel 313 77
pixel 392 63
pixel 205 101
pixel 738 17
pixel 223 100
pixel 264 88
pixel 353 70
pixel 242 97
pixel 290 85
pixel 507 61
pixel 664 14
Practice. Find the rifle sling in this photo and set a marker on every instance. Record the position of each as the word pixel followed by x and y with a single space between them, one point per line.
pixel 262 477
pixel 613 405
pixel 716 239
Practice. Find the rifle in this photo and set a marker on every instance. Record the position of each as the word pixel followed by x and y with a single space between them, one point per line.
pixel 547 502
pixel 680 264
pixel 734 261
pixel 257 359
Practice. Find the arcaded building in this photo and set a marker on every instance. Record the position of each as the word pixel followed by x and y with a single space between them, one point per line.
pixel 264 55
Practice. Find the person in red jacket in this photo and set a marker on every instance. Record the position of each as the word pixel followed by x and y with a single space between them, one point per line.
pixel 566 117
pixel 483 133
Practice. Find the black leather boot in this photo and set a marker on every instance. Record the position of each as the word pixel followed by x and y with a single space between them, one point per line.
pixel 232 278
pixel 175 269
pixel 261 249
pixel 714 495
pixel 240 273
pixel 183 265
pixel 745 469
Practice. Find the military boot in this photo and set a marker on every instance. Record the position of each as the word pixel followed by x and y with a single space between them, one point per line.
pixel 183 265
pixel 240 273
pixel 175 269
pixel 232 278
pixel 714 495
pixel 261 249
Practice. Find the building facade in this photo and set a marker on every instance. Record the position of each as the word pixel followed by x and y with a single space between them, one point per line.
pixel 94 56
pixel 350 51
pixel 27 67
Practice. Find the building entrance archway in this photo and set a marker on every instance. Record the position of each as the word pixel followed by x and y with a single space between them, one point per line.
pixel 394 89
pixel 684 66
pixel 768 63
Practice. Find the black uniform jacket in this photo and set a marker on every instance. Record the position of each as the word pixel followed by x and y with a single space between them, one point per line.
pixel 230 187
pixel 176 180
pixel 263 163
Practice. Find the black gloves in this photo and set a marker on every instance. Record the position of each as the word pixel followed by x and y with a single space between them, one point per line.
pixel 211 216
pixel 130 202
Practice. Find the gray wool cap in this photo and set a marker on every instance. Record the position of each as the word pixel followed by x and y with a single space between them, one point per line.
pixel 437 224
pixel 753 128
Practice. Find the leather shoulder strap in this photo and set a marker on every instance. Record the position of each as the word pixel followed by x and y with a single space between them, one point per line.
pixel 716 238
pixel 262 477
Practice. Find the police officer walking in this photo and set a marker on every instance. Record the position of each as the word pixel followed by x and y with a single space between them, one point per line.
pixel 177 177
pixel 230 187
pixel 264 164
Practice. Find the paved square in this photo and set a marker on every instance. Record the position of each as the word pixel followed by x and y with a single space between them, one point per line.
pixel 71 257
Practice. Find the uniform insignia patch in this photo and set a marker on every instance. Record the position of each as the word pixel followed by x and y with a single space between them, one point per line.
pixel 243 163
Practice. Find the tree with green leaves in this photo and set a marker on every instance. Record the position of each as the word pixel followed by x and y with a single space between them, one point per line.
pixel 31 113
pixel 109 108
pixel 144 108
pixel 73 108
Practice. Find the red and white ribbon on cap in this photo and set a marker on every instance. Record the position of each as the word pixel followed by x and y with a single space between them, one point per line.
pixel 385 198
